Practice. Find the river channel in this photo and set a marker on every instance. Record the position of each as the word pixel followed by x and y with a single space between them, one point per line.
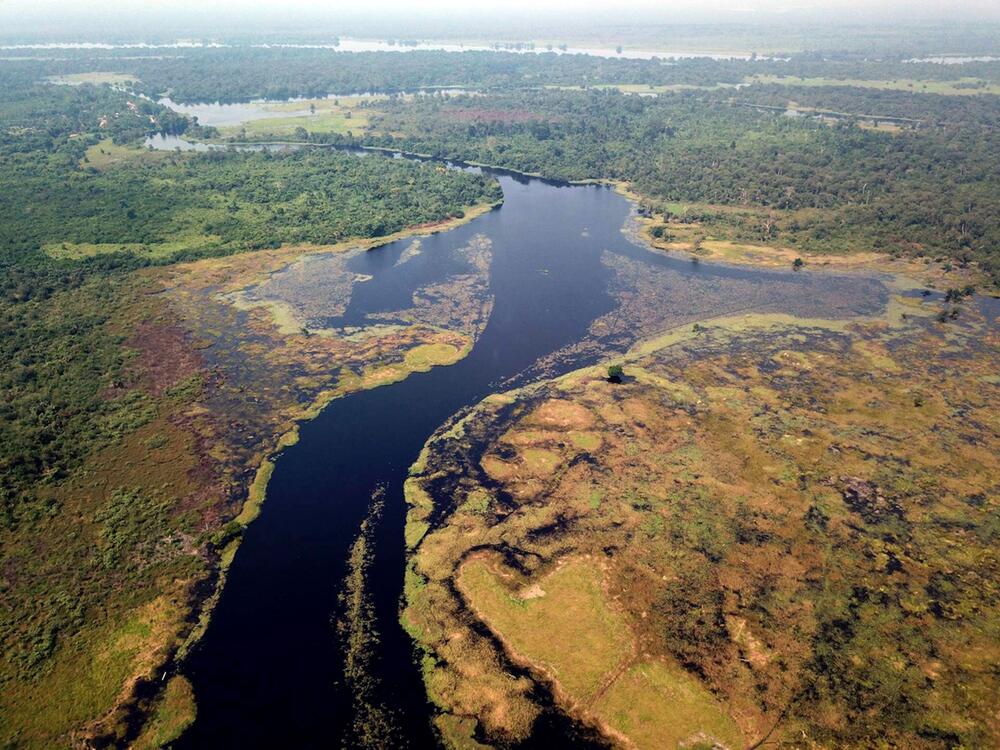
pixel 268 672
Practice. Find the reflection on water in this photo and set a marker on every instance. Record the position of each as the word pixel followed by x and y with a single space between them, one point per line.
pixel 220 115
pixel 165 142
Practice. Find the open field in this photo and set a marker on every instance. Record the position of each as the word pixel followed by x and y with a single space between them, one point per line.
pixel 340 115
pixel 957 87
pixel 338 121
pixel 96 78
pixel 788 524
pixel 105 154
pixel 600 673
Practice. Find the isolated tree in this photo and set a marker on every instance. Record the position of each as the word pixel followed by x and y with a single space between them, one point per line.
pixel 615 373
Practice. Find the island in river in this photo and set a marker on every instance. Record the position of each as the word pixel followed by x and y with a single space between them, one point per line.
pixel 145 394
pixel 548 519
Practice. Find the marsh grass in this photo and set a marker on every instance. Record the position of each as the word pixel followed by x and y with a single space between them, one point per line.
pixel 779 537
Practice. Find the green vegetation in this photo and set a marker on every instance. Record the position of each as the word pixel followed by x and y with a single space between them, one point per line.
pixel 343 115
pixel 761 176
pixel 94 77
pixel 174 713
pixel 962 86
pixel 125 457
pixel 373 725
pixel 155 210
pixel 831 570
pixel 803 548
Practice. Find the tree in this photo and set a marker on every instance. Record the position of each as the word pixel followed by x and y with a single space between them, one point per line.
pixel 798 263
pixel 615 373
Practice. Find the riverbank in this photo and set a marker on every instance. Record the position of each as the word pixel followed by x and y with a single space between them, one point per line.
pixel 716 244
pixel 434 348
pixel 644 519
pixel 152 519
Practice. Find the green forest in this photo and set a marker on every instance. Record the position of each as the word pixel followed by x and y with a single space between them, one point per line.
pixel 804 152
pixel 826 187
pixel 243 73
pixel 70 234
pixel 823 180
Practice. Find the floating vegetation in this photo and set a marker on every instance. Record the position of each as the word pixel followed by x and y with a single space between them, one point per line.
pixel 653 296
pixel 788 533
pixel 412 251
pixel 373 724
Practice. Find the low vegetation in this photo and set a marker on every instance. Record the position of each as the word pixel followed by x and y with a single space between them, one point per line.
pixel 139 404
pixel 756 529
pixel 776 530
pixel 372 725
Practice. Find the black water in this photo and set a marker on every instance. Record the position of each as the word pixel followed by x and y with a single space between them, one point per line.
pixel 267 673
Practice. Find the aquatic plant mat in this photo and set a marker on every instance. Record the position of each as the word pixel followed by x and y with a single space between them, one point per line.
pixel 770 530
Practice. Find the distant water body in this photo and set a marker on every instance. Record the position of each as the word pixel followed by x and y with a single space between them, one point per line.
pixel 373 45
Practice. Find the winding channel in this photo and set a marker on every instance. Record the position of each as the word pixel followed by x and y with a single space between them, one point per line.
pixel 268 671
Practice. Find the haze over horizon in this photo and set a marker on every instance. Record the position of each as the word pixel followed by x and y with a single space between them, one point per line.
pixel 449 18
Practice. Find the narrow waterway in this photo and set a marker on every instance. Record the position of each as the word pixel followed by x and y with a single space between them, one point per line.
pixel 268 671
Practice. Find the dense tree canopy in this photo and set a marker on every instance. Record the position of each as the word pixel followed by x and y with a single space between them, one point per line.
pixel 832 186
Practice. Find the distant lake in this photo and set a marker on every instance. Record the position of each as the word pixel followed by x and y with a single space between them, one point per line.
pixel 220 115
pixel 373 45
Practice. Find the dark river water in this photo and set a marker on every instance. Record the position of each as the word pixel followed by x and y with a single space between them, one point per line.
pixel 268 671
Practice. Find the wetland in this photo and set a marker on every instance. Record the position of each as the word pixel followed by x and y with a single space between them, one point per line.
pixel 557 261
pixel 305 449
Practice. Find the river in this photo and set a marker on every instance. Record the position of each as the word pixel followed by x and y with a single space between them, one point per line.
pixel 268 670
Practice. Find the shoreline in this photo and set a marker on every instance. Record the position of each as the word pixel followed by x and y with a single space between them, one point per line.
pixel 738 253
pixel 422 505
pixel 257 490
pixel 142 711
pixel 916 271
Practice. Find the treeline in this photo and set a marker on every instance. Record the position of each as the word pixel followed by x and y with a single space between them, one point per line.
pixel 922 109
pixel 830 187
pixel 61 357
pixel 38 118
pixel 235 74
pixel 227 201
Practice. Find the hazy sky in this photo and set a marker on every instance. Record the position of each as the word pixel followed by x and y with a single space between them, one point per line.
pixel 65 14
pixel 935 7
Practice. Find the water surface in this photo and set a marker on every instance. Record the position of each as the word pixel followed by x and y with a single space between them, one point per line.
pixel 268 671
